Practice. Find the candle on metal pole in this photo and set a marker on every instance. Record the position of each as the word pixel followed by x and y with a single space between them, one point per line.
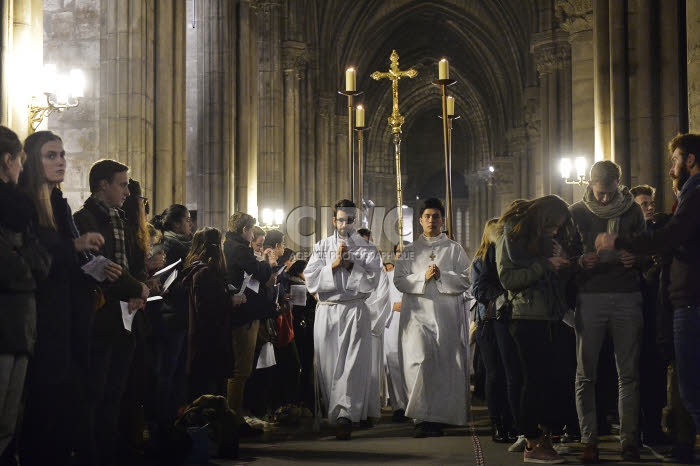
pixel 443 81
pixel 395 121
pixel 360 129
pixel 351 91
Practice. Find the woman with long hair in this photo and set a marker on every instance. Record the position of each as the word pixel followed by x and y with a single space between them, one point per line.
pixel 530 264
pixel 492 322
pixel 175 223
pixel 19 274
pixel 209 352
pixel 65 305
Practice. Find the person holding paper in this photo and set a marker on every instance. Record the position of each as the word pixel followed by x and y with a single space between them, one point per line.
pixel 241 263
pixel 65 308
pixel 111 347
pixel 432 275
pixel 343 271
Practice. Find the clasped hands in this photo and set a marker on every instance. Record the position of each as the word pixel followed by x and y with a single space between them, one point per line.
pixel 606 242
pixel 432 272
pixel 342 258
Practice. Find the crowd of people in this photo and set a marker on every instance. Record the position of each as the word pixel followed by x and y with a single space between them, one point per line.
pixel 114 329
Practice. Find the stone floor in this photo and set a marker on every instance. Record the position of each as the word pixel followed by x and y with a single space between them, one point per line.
pixel 390 443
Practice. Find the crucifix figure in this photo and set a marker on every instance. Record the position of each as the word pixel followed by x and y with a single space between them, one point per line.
pixel 432 255
pixel 395 121
pixel 394 74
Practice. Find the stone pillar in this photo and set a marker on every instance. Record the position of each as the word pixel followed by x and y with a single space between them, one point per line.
pixel 126 87
pixel 294 58
pixel 168 137
pixel 271 182
pixel 692 13
pixel 216 105
pixel 576 18
pixel 326 179
pixel 21 55
pixel 552 53
pixel 601 80
pixel 619 88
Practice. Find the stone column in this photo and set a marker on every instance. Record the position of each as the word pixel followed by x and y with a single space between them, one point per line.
pixel 127 88
pixel 271 182
pixel 619 88
pixel 576 18
pixel 168 135
pixel 552 53
pixel 294 58
pixel 601 79
pixel 693 37
pixel 21 55
pixel 216 29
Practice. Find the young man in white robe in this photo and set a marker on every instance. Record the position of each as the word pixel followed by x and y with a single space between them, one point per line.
pixel 432 275
pixel 394 372
pixel 343 271
pixel 379 307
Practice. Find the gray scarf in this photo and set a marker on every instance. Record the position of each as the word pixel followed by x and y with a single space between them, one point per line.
pixel 622 201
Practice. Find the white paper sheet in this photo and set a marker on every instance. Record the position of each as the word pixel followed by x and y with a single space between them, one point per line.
pixel 169 281
pixel 252 283
pixel 127 317
pixel 165 269
pixel 298 293
pixel 154 298
pixel 569 318
pixel 96 268
pixel 266 357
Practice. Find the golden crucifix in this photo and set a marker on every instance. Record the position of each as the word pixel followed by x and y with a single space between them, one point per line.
pixel 394 74
pixel 395 122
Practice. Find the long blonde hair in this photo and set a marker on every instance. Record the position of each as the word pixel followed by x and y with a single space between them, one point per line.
pixel 489 237
pixel 33 179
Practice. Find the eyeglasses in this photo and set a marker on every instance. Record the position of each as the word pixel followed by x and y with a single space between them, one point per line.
pixel 347 220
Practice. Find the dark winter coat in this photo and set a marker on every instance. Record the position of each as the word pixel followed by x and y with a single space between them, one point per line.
pixel 24 262
pixel 240 259
pixel 108 319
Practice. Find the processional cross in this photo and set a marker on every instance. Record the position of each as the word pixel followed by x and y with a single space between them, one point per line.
pixel 395 121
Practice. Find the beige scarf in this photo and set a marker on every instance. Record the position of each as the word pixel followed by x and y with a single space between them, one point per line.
pixel 622 201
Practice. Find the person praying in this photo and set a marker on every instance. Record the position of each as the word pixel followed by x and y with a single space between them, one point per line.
pixel 432 275
pixel 343 271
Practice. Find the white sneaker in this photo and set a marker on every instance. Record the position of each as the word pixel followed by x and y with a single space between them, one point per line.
pixel 562 449
pixel 519 445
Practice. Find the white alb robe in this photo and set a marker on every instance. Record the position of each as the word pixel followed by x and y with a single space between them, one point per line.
pixel 432 351
pixel 395 383
pixel 342 338
pixel 379 307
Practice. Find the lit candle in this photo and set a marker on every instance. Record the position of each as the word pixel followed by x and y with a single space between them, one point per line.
pixel 444 69
pixel 360 117
pixel 350 80
pixel 450 106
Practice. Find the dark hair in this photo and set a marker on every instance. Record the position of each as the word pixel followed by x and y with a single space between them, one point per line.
pixel 396 246
pixel 527 221
pixel 341 204
pixel 605 172
pixel 273 238
pixel 688 143
pixel 288 254
pixel 297 268
pixel 9 143
pixel 365 233
pixel 643 190
pixel 170 216
pixel 33 179
pixel 240 220
pixel 104 169
pixel 206 247
pixel 432 203
pixel 135 212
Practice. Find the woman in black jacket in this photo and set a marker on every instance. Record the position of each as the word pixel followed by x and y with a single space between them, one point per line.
pixel 240 260
pixel 65 305
pixel 23 263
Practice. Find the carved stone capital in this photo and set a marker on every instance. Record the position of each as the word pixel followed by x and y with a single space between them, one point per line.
pixel 295 56
pixel 574 16
pixel 551 50
pixel 264 7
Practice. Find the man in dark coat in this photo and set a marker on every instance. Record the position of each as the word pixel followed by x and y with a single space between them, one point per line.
pixel 111 346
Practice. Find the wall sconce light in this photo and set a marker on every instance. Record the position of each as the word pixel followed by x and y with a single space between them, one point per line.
pixel 566 166
pixel 271 219
pixel 62 91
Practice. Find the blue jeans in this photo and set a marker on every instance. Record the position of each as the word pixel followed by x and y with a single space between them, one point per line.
pixel 686 341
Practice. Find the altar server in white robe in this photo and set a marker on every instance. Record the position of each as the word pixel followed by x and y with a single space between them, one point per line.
pixel 432 275
pixel 379 307
pixel 394 372
pixel 343 271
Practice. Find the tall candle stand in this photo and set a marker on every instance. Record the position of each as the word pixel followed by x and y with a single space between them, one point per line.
pixel 443 84
pixel 351 151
